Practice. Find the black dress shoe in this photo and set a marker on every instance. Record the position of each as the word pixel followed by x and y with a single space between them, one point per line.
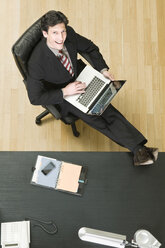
pixel 145 156
pixel 153 152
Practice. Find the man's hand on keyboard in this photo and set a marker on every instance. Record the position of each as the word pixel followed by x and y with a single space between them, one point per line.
pixel 107 74
pixel 74 88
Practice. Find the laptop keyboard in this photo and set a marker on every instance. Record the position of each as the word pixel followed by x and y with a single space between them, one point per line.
pixel 90 92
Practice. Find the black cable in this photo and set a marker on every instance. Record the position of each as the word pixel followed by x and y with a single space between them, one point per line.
pixel 46 223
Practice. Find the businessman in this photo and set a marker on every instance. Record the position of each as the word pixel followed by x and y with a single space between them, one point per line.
pixel 52 71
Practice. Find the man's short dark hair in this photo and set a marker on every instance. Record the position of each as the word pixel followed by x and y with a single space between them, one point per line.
pixel 52 18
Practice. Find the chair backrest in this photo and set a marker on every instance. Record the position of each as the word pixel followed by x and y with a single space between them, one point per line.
pixel 24 46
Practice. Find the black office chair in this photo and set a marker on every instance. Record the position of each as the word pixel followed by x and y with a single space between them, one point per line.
pixel 21 51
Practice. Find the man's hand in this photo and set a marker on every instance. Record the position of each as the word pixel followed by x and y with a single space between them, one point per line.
pixel 74 88
pixel 107 74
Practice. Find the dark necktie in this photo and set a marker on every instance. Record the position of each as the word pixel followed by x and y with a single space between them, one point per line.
pixel 65 61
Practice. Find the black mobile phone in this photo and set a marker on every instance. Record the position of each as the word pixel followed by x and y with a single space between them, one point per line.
pixel 48 168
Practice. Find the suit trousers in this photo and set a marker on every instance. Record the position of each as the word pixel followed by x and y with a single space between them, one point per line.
pixel 113 125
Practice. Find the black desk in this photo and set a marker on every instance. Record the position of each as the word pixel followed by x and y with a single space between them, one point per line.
pixel 118 198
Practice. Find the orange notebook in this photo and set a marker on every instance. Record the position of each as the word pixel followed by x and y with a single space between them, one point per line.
pixel 59 175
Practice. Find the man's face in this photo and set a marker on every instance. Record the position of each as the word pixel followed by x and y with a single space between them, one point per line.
pixel 56 36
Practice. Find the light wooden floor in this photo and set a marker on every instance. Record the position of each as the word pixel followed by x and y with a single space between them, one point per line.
pixel 131 37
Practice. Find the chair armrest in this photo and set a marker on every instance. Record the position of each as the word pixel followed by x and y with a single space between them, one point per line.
pixel 54 111
pixel 87 58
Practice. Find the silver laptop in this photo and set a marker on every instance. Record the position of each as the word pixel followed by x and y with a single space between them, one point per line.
pixel 98 93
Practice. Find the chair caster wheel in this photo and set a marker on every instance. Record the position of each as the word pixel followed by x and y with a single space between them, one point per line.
pixel 77 134
pixel 38 122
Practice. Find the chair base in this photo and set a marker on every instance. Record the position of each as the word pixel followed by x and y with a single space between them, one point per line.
pixel 74 130
pixel 42 115
pixel 46 112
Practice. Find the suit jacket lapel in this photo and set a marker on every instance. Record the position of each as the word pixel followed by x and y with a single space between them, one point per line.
pixel 72 53
pixel 54 60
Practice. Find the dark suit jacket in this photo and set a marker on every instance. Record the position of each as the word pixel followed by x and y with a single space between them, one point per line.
pixel 47 75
